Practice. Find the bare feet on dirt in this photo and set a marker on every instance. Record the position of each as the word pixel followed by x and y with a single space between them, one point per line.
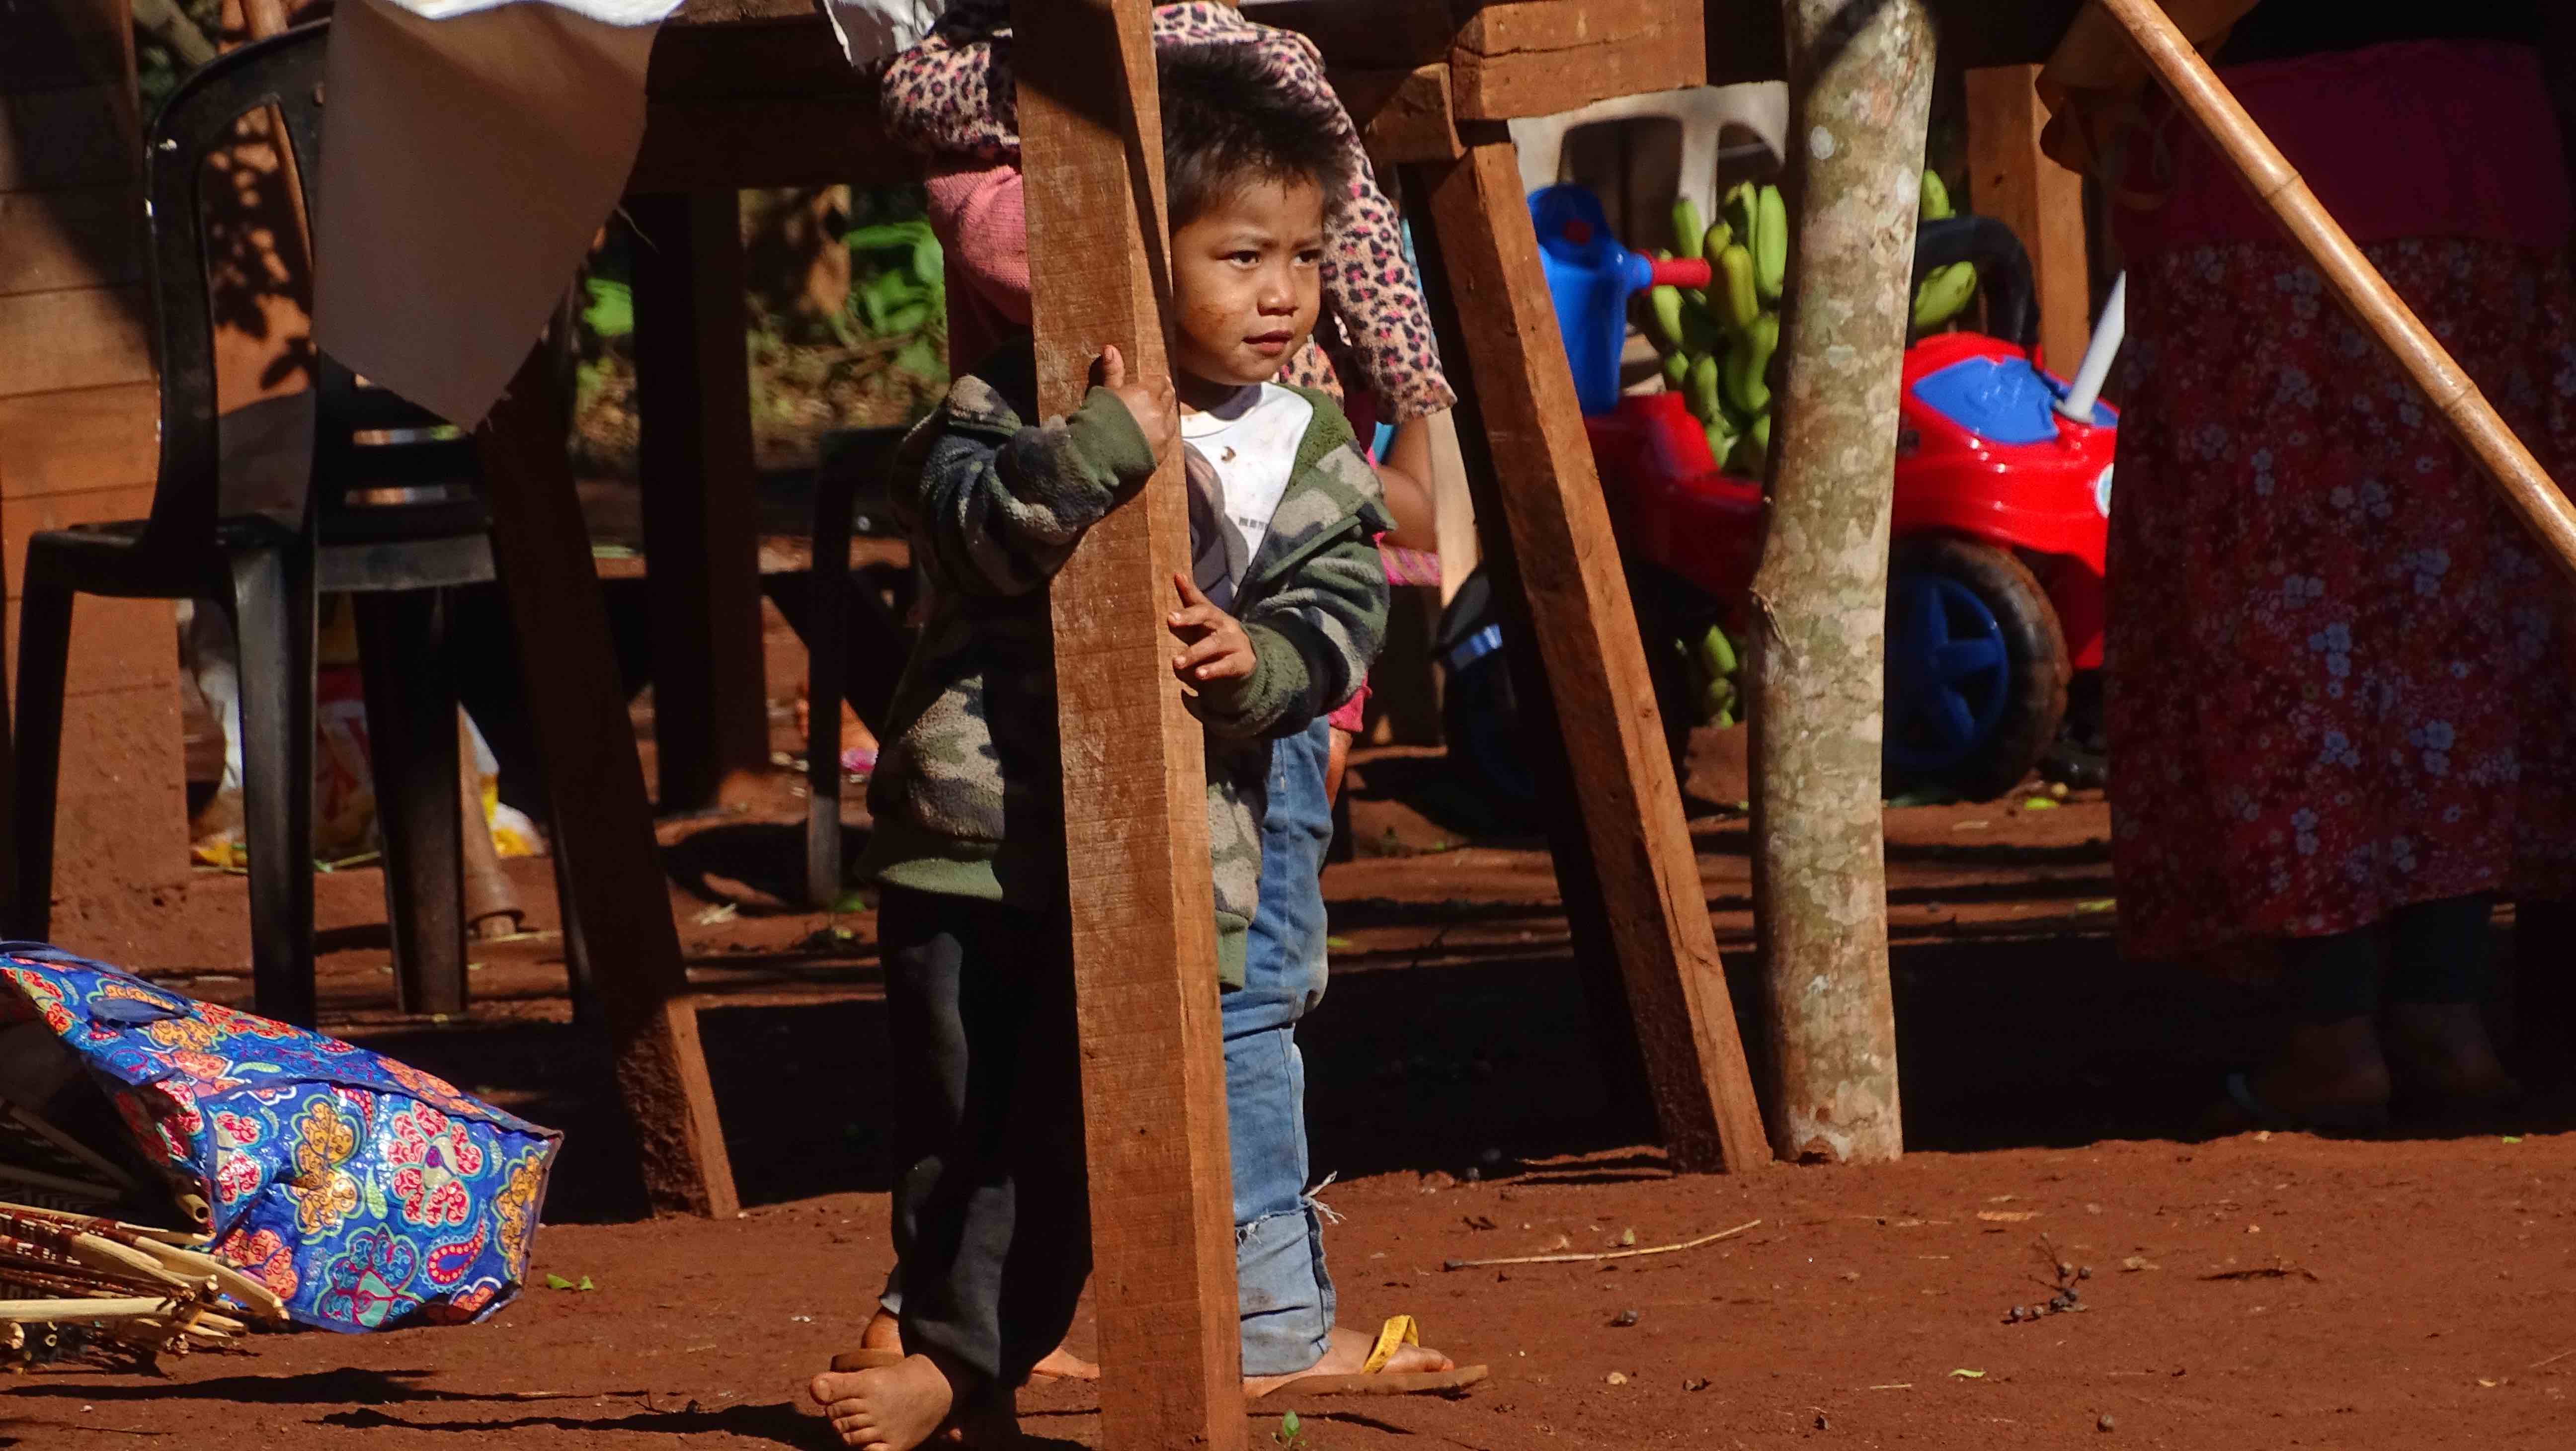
pixel 2328 1075
pixel 2442 1052
pixel 884 1332
pixel 894 1409
pixel 1348 1352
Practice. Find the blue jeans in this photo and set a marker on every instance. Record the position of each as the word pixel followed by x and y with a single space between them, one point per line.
pixel 1285 1296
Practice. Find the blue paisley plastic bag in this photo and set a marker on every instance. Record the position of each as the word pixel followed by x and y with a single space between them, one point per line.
pixel 366 1193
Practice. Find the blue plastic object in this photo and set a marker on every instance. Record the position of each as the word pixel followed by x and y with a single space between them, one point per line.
pixel 1589 277
pixel 2002 399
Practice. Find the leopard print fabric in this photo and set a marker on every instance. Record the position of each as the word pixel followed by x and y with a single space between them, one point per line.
pixel 955 93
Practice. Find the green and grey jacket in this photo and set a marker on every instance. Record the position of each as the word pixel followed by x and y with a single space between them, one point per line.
pixel 967 796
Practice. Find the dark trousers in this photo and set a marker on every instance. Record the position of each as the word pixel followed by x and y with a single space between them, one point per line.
pixel 992 1220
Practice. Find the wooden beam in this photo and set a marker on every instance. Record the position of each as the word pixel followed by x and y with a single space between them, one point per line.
pixel 1541 57
pixel 1379 35
pixel 1540 510
pixel 1135 775
pixel 701 542
pixel 594 780
pixel 1402 116
pixel 2040 200
pixel 692 145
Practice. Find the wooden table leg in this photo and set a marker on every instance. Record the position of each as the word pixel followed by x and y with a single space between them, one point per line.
pixel 594 780
pixel 701 541
pixel 1541 515
pixel 2040 200
pixel 1144 944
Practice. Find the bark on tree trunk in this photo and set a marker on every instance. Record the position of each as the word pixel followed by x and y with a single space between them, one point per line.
pixel 1861 84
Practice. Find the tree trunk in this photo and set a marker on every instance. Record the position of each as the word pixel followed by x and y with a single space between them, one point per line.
pixel 1861 79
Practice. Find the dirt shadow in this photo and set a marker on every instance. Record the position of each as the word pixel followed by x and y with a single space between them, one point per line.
pixel 756 867
pixel 780 1422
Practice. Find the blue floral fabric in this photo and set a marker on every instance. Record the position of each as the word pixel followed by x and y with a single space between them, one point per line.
pixel 366 1193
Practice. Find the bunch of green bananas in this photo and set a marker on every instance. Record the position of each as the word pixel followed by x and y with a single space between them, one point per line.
pixel 1944 292
pixel 1717 344
pixel 1709 665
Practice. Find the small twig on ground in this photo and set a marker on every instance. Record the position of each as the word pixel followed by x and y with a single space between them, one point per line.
pixel 1614 1254
pixel 2553 1360
pixel 2267 1272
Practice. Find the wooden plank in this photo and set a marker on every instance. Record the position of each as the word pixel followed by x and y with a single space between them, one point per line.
pixel 75 136
pixel 1381 35
pixel 77 237
pixel 86 438
pixel 1402 116
pixel 595 783
pixel 85 337
pixel 701 541
pixel 1538 500
pixel 789 56
pixel 1539 64
pixel 695 145
pixel 2040 200
pixel 1136 830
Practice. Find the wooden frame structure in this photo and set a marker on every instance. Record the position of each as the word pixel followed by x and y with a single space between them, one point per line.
pixel 1430 95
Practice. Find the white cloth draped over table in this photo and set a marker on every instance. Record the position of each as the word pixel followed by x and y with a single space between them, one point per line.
pixel 471 150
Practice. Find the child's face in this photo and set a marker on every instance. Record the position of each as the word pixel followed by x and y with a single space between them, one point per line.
pixel 1246 282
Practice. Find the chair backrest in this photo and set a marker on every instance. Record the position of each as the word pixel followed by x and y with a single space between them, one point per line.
pixel 373 453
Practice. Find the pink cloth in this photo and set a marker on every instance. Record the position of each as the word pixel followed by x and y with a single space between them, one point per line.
pixel 977 213
pixel 2417 139
pixel 1354 712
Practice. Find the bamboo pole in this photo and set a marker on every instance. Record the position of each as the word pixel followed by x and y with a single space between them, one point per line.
pixel 1861 90
pixel 2526 486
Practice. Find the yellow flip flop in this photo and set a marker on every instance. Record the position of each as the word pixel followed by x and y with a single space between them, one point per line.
pixel 1374 1379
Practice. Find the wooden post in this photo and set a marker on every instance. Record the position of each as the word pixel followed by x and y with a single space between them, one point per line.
pixel 2040 200
pixel 79 421
pixel 1859 101
pixel 594 780
pixel 1135 774
pixel 701 541
pixel 1631 882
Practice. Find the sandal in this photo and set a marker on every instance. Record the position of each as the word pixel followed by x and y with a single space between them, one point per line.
pixel 1374 1379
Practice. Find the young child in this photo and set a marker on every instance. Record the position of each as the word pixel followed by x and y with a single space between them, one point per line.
pixel 1277 622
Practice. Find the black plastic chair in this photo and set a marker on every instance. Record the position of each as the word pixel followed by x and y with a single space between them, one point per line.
pixel 392 516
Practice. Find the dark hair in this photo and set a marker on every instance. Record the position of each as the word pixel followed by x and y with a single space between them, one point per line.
pixel 1228 123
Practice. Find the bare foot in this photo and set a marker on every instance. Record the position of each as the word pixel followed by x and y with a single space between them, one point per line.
pixel 884 1332
pixel 2444 1053
pixel 894 1409
pixel 1347 1352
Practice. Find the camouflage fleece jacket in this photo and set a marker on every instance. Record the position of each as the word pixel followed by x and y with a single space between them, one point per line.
pixel 967 798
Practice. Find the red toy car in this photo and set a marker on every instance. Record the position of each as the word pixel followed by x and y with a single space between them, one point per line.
pixel 1996 575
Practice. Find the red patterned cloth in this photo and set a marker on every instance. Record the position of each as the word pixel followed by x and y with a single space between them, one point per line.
pixel 2343 679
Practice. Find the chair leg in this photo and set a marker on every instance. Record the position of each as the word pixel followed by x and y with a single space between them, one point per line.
pixel 412 753
pixel 44 658
pixel 273 623
pixel 578 983
pixel 827 663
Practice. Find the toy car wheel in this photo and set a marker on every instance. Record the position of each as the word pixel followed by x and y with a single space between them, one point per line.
pixel 1976 669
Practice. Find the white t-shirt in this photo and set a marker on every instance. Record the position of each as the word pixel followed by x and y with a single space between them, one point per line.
pixel 1240 455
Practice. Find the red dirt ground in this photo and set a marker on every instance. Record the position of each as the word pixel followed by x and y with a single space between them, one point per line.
pixel 2279 1291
